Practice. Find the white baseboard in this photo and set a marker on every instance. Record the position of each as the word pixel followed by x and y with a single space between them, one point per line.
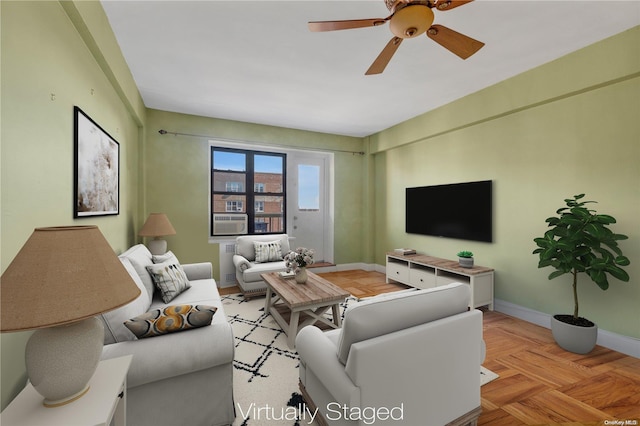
pixel 352 266
pixel 617 342
pixel 344 267
pixel 380 268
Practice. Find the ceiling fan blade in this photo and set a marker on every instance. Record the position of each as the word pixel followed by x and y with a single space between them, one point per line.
pixel 346 25
pixel 457 43
pixel 450 4
pixel 384 57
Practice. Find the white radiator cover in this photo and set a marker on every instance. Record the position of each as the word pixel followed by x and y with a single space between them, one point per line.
pixel 227 270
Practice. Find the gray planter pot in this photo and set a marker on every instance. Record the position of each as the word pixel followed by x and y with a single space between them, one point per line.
pixel 574 338
pixel 466 262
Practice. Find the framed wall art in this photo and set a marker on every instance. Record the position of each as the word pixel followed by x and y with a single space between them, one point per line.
pixel 97 169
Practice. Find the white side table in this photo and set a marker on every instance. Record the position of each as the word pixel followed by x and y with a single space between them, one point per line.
pixel 106 401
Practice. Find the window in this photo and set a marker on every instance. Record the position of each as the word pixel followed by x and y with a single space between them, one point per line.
pixel 233 171
pixel 234 186
pixel 234 206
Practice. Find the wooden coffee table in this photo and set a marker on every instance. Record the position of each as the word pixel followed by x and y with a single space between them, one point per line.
pixel 304 304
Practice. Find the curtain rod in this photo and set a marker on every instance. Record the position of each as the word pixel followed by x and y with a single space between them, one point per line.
pixel 165 132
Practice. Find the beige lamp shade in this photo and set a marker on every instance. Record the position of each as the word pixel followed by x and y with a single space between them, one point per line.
pixel 157 225
pixel 62 275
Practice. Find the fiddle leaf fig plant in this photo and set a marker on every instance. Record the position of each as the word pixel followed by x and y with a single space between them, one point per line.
pixel 579 241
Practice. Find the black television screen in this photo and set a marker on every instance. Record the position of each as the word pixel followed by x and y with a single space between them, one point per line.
pixel 458 210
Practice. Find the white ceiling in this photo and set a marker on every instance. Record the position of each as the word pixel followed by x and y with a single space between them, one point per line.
pixel 257 62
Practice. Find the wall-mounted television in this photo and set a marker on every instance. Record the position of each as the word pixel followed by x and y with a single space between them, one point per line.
pixel 458 210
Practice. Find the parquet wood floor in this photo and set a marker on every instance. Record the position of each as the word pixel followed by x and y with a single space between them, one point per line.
pixel 539 383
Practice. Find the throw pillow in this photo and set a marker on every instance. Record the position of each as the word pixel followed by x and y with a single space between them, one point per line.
pixel 170 279
pixel 168 257
pixel 268 251
pixel 170 320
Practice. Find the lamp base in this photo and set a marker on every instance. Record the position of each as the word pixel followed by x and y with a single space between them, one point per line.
pixel 61 360
pixel 60 402
pixel 157 246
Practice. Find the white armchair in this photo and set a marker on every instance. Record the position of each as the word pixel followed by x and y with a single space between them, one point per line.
pixel 249 268
pixel 411 358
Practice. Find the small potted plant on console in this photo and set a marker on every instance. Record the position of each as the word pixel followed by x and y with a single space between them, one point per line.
pixel 579 240
pixel 465 259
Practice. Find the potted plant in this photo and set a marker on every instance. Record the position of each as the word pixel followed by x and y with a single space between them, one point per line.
pixel 465 259
pixel 579 241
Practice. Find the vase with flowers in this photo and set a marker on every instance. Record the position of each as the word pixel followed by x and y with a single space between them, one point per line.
pixel 297 262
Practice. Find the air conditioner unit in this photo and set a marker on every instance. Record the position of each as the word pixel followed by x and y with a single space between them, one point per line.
pixel 230 224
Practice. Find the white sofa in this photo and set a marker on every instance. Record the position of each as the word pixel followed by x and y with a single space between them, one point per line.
pixel 248 270
pixel 181 378
pixel 414 354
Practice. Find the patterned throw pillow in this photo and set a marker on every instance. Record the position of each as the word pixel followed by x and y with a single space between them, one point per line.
pixel 170 319
pixel 170 279
pixel 268 252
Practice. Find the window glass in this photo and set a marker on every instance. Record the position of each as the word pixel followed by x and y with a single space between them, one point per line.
pixel 244 178
pixel 230 161
pixel 308 187
pixel 268 171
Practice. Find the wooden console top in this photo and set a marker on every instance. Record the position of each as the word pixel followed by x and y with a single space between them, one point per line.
pixel 436 262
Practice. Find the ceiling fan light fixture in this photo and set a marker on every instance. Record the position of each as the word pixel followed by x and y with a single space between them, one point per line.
pixel 411 21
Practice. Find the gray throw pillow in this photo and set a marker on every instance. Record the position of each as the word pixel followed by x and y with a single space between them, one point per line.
pixel 170 279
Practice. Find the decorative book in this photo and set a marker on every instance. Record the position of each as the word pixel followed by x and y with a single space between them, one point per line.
pixel 404 251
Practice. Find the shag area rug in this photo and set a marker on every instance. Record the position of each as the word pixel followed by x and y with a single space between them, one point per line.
pixel 265 374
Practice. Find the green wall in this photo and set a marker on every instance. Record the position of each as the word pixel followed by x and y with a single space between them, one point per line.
pixel 568 127
pixel 51 62
pixel 177 179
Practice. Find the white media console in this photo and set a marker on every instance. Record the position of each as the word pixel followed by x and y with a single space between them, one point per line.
pixel 422 271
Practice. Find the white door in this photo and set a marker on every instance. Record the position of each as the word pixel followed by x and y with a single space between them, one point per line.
pixel 310 202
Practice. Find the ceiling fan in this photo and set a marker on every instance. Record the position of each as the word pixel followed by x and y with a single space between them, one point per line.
pixel 409 19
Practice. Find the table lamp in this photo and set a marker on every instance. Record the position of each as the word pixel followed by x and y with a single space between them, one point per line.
pixel 157 225
pixel 58 282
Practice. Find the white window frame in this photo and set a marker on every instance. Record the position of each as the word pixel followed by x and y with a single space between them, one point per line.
pixel 239 206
